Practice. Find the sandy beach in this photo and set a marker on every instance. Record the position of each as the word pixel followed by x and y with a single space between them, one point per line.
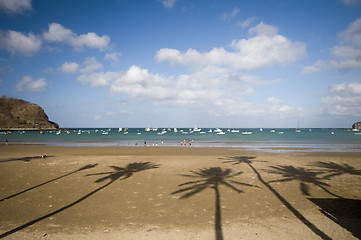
pixel 177 193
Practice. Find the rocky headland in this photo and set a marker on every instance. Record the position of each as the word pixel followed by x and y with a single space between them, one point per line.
pixel 17 114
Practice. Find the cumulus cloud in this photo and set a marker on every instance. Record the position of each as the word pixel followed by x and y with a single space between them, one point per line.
pixel 28 84
pixel 69 67
pixel 168 3
pixel 264 48
pixel 15 6
pixel 57 33
pixel 113 56
pixel 347 55
pixel 91 65
pixel 20 43
pixel 343 99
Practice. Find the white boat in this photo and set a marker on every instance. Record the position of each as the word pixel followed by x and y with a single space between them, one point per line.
pixel 218 130
pixel 261 129
pixel 280 132
pixel 246 133
pixel 120 129
pixel 210 130
pixel 175 130
pixel 202 132
pixel 298 130
pixel 272 131
pixel 235 131
pixel 196 129
pixel 105 133
pixel 221 133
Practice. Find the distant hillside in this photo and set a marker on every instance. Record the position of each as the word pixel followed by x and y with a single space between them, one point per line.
pixel 17 114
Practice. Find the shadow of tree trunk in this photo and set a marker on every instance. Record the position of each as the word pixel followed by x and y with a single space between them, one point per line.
pixel 218 215
pixel 52 180
pixel 211 178
pixel 295 212
pixel 118 172
pixel 28 224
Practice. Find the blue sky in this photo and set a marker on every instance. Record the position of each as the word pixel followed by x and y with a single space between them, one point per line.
pixel 183 63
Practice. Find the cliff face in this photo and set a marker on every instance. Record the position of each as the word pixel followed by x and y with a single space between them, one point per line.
pixel 20 114
pixel 357 125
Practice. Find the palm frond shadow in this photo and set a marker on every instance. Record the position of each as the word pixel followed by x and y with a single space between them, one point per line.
pixel 211 178
pixel 24 159
pixel 303 176
pixel 119 172
pixel 334 169
pixel 236 160
pixel 249 160
pixel 89 166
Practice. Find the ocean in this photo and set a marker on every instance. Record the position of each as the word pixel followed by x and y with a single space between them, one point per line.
pixel 290 139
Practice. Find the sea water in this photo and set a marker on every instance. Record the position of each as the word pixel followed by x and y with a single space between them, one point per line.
pixel 341 140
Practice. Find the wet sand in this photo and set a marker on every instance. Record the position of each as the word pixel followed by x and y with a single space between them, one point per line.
pixel 177 193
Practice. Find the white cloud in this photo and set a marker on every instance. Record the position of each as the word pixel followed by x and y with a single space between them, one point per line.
pixel 352 3
pixel 15 6
pixel 347 55
pixel 266 48
pixel 113 56
pixel 343 99
pixel 274 100
pixel 315 68
pixel 57 33
pixel 227 16
pixel 19 43
pixel 246 23
pixel 91 65
pixel 98 79
pixel 69 67
pixel 28 84
pixel 168 3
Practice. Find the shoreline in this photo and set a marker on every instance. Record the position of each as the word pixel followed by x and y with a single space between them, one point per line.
pixel 138 193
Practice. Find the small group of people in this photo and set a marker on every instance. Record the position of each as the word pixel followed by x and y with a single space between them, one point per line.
pixel 184 143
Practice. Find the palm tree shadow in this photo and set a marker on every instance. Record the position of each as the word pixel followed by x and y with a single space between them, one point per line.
pixel 89 166
pixel 249 160
pixel 25 159
pixel 236 160
pixel 211 178
pixel 118 172
pixel 334 169
pixel 344 212
pixel 302 175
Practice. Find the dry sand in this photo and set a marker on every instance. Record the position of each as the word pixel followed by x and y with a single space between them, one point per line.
pixel 177 193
